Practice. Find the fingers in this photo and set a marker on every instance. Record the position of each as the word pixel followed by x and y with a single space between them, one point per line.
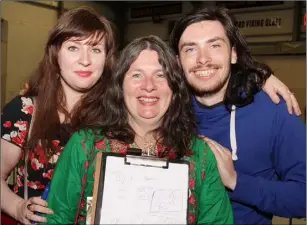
pixel 218 149
pixel 274 86
pixel 36 218
pixel 201 136
pixel 215 151
pixel 35 206
pixel 272 94
pixel 271 87
pixel 224 163
pixel 223 151
pixel 291 101
pixel 295 105
pixel 40 209
pixel 30 216
pixel 38 201
pixel 25 221
pixel 26 215
pixel 287 97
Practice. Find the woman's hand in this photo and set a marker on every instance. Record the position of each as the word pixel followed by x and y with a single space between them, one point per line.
pixel 274 86
pixel 27 208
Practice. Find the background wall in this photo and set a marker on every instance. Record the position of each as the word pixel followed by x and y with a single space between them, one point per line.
pixel 26 37
pixel 145 26
pixel 101 8
pixel 3 58
pixel 292 71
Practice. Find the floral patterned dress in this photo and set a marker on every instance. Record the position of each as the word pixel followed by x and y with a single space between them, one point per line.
pixel 16 118
pixel 208 201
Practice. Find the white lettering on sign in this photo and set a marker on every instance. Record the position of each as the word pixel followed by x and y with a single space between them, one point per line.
pixel 269 22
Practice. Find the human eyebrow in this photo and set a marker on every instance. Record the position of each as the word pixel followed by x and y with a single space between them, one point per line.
pixel 73 42
pixel 137 70
pixel 214 39
pixel 189 44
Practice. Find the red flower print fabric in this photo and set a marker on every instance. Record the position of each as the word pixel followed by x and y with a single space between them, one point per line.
pixel 16 118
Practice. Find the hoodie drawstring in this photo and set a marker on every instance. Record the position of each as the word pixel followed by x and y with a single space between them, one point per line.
pixel 233 139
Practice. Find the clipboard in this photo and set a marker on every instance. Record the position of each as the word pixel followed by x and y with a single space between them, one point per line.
pixel 135 189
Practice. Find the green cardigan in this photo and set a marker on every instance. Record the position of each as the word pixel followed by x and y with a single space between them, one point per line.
pixel 208 201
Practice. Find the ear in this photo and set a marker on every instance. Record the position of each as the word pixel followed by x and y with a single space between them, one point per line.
pixel 178 59
pixel 233 55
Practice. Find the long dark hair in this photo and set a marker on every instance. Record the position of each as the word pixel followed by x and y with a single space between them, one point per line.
pixel 45 85
pixel 247 76
pixel 178 122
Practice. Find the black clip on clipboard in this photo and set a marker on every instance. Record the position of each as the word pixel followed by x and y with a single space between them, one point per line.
pixel 134 157
pixel 134 151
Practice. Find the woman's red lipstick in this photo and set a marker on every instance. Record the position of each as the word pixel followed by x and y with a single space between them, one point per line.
pixel 82 73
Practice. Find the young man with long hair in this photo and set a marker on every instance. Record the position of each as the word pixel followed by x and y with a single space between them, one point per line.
pixel 263 163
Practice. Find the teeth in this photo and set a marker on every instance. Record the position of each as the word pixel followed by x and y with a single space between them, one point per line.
pixel 204 73
pixel 148 99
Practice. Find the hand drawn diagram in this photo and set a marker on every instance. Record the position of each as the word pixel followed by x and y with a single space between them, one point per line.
pixel 166 201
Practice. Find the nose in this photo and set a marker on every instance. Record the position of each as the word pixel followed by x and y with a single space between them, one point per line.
pixel 85 58
pixel 203 57
pixel 148 84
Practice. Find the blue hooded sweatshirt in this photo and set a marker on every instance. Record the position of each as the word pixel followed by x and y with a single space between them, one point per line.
pixel 269 150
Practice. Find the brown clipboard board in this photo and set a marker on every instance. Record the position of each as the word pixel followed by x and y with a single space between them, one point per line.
pixel 98 162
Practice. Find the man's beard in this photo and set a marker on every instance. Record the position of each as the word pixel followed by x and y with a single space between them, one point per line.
pixel 201 92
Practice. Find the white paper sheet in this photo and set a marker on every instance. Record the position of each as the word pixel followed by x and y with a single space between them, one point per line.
pixel 144 195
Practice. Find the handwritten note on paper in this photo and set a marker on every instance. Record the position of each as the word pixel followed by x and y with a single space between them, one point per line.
pixel 144 195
